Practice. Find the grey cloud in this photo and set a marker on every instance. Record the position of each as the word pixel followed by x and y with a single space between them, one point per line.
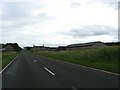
pixel 111 3
pixel 96 30
pixel 75 4
pixel 20 11
pixel 19 15
pixel 13 11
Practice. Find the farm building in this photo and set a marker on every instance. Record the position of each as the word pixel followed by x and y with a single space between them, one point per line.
pixel 9 48
pixel 35 48
pixel 97 44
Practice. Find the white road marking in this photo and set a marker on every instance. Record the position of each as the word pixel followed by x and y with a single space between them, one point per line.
pixel 7 65
pixel 93 68
pixel 49 71
pixel 100 70
pixel 73 88
pixel 35 61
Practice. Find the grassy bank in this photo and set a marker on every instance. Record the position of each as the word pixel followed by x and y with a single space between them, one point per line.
pixel 101 58
pixel 7 57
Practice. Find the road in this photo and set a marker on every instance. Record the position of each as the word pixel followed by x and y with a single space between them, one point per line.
pixel 31 71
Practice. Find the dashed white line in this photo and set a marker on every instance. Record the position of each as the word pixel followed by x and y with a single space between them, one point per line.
pixel 49 71
pixel 35 61
pixel 73 88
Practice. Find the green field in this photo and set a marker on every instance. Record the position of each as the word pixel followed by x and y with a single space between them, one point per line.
pixel 7 57
pixel 101 58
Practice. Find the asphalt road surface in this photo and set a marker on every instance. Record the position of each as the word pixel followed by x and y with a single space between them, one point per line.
pixel 31 71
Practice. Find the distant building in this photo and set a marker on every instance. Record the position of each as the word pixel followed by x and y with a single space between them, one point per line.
pixel 97 44
pixel 34 48
pixel 112 43
pixel 9 48
pixel 28 48
pixel 52 48
pixel 61 48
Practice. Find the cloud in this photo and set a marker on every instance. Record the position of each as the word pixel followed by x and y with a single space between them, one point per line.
pixel 111 3
pixel 95 30
pixel 93 33
pixel 58 22
pixel 75 4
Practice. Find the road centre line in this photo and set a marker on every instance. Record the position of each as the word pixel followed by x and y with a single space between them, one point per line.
pixel 49 71
pixel 35 61
pixel 87 67
pixel 73 88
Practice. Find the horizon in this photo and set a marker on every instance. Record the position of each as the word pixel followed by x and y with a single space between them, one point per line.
pixel 58 22
pixel 54 46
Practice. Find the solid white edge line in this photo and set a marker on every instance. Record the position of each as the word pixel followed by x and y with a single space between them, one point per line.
pixel 102 70
pixel 7 65
pixel 49 71
pixel 93 68
pixel 89 67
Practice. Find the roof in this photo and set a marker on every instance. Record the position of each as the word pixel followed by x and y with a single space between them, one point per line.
pixel 9 47
pixel 84 44
pixel 38 46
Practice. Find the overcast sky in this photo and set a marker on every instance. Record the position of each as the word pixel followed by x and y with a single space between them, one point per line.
pixel 58 22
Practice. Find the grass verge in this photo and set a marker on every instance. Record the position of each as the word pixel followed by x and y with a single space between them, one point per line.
pixel 100 58
pixel 7 57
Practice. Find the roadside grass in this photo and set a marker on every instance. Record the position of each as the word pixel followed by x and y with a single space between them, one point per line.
pixel 100 58
pixel 7 57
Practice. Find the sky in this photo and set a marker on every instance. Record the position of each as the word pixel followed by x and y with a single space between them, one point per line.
pixel 58 22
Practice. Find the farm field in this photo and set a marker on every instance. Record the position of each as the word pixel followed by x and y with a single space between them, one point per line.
pixel 100 58
pixel 7 57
